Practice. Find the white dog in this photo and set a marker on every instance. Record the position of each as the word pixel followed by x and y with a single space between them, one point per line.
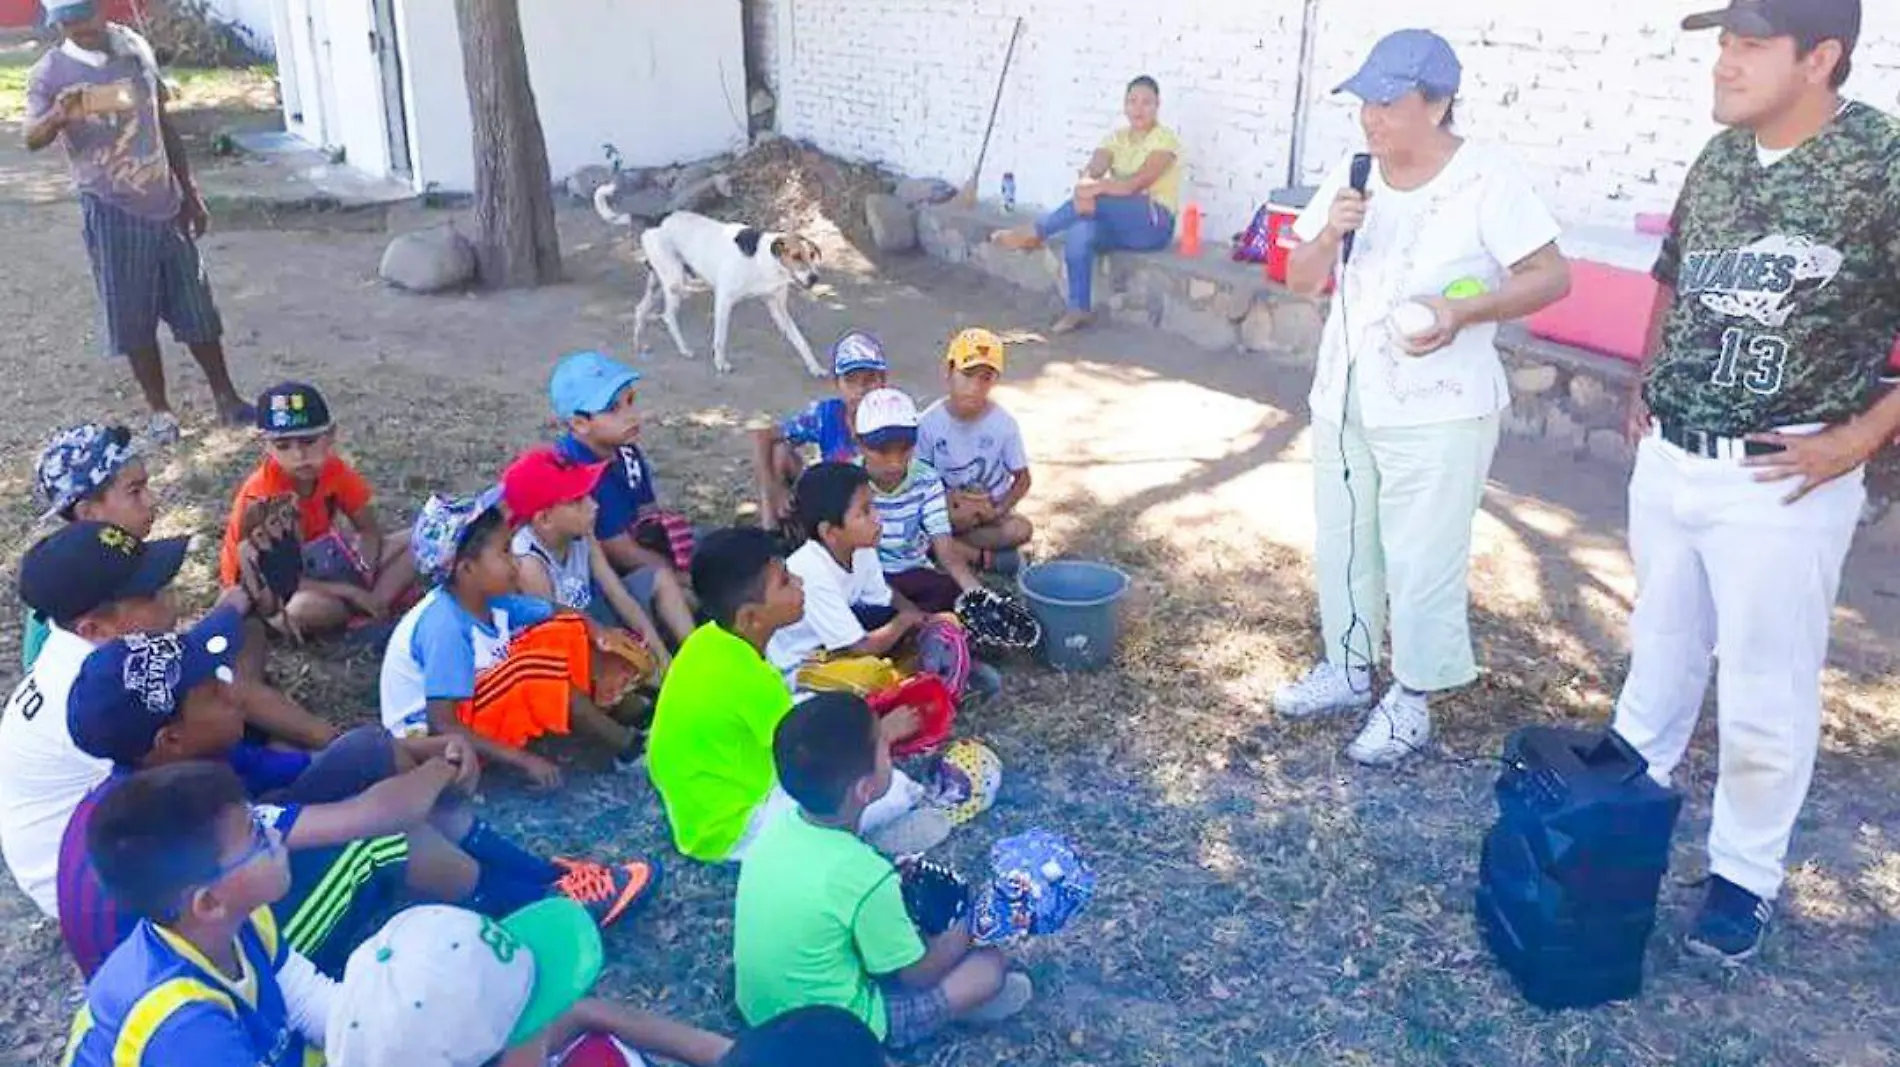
pixel 739 262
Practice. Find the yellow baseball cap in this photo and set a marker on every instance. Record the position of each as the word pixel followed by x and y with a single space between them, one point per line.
pixel 975 347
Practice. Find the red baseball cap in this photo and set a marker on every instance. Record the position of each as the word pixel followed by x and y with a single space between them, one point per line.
pixel 543 479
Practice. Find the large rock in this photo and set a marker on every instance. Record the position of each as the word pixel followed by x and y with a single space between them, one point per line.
pixel 700 193
pixel 1533 379
pixel 1256 330
pixel 1205 329
pixel 429 261
pixel 919 191
pixel 582 183
pixel 693 173
pixel 893 226
pixel 650 204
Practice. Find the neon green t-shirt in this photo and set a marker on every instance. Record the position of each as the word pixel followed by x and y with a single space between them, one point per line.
pixel 819 915
pixel 710 751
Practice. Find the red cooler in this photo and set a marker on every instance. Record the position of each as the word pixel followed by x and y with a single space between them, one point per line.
pixel 1283 210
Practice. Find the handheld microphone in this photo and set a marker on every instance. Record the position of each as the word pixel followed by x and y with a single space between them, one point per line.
pixel 1360 174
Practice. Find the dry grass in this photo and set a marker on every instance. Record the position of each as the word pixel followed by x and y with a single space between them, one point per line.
pixel 1262 900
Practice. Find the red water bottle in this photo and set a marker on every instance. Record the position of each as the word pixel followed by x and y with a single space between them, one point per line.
pixel 1191 231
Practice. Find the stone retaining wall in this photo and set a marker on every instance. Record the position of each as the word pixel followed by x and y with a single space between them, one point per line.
pixel 1570 398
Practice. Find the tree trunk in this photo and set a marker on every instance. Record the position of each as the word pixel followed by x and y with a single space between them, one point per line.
pixel 516 244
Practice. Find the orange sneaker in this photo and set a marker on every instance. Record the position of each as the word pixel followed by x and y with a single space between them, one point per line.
pixel 608 893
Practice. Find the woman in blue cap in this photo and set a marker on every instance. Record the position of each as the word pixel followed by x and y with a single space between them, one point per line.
pixel 1433 241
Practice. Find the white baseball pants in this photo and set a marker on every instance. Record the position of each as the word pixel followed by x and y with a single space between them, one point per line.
pixel 1726 570
pixel 1400 533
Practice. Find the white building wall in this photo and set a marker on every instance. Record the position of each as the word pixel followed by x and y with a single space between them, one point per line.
pixel 662 81
pixel 1606 102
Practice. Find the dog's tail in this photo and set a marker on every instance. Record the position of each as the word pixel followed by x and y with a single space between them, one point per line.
pixel 603 205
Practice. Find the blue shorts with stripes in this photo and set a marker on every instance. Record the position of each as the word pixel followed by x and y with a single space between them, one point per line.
pixel 147 272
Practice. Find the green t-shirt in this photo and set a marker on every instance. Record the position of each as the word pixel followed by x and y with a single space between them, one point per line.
pixel 1787 280
pixel 710 752
pixel 818 914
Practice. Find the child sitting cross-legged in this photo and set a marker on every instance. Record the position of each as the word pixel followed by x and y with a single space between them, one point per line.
pixel 352 571
pixel 819 917
pixel 911 506
pixel 476 657
pixel 369 820
pixel 90 473
pixel 825 426
pixel 710 755
pixel 977 449
pixel 206 977
pixel 593 398
pixel 849 608
pixel 550 500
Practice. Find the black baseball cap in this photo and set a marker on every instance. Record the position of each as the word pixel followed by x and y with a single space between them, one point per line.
pixel 84 566
pixel 292 409
pixel 1810 21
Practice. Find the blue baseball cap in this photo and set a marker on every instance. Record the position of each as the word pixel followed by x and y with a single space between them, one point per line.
pixel 586 383
pixel 69 10
pixel 1405 61
pixel 83 566
pixel 857 351
pixel 130 688
pixel 79 461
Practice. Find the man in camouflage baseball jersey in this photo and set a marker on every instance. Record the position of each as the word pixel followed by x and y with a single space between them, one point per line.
pixel 1755 416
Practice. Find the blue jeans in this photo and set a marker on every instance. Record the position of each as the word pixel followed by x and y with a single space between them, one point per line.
pixel 1120 224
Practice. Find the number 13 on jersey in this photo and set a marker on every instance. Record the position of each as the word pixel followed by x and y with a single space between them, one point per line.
pixel 1756 361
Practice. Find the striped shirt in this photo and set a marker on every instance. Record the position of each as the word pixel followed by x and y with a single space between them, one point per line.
pixel 159 1000
pixel 90 920
pixel 911 513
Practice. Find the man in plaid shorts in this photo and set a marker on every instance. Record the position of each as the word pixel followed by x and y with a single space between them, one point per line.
pixel 99 92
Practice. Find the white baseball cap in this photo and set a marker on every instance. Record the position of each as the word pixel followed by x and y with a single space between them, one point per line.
pixel 439 986
pixel 886 416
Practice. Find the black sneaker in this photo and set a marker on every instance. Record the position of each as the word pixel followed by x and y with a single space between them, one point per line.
pixel 1732 924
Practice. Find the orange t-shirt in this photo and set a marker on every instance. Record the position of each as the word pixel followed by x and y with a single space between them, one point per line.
pixel 339 489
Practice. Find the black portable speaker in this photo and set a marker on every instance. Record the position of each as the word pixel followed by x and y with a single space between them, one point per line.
pixel 1568 877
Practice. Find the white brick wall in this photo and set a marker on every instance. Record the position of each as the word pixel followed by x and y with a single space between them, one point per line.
pixel 1605 102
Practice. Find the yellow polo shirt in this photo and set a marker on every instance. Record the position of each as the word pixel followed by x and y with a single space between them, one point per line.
pixel 1128 150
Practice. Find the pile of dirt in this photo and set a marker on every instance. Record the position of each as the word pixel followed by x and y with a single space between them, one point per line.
pixel 784 185
pixel 190 33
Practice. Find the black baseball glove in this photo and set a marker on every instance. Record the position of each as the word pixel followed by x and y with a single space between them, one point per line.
pixel 934 895
pixel 997 623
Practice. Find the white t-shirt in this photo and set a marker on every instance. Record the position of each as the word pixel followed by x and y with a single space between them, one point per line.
pixel 982 454
pixel 43 774
pixel 438 648
pixel 1476 219
pixel 830 593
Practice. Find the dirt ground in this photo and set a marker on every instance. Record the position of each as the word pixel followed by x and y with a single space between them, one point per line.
pixel 1262 899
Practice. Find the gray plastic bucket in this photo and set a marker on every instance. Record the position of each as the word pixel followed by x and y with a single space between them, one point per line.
pixel 1077 601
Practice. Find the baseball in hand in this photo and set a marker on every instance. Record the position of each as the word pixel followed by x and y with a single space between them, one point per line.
pixel 1412 320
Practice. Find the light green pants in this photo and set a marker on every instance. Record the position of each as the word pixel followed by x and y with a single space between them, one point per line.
pixel 1394 508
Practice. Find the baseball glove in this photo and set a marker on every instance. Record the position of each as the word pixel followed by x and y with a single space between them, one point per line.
pixel 935 896
pixel 997 623
pixel 621 665
pixel 270 556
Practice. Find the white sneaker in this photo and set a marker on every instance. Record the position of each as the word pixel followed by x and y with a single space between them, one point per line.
pixel 1398 727
pixel 1325 690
